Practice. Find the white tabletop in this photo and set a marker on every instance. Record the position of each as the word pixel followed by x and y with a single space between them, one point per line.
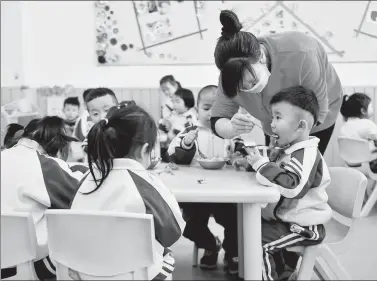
pixel 222 186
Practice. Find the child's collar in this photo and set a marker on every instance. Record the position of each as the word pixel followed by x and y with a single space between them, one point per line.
pixel 31 144
pixel 311 142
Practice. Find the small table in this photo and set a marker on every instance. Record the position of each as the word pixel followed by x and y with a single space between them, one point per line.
pixel 229 186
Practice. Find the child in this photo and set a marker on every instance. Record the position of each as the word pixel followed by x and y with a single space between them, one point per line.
pixel 185 112
pixel 84 123
pixel 184 150
pixel 119 151
pixel 301 175
pixel 168 86
pixel 71 111
pixel 13 134
pixel 357 111
pixel 182 114
pixel 98 102
pixel 33 180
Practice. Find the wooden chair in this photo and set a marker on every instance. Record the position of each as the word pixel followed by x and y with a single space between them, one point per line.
pixel 92 245
pixel 346 195
pixel 18 245
pixel 354 151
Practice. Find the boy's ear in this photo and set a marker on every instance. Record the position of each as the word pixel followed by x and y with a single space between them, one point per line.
pixel 303 125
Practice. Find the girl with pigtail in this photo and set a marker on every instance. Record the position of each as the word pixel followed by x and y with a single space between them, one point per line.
pixel 119 153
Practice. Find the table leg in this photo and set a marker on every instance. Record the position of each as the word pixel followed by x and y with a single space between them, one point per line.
pixel 252 233
pixel 240 240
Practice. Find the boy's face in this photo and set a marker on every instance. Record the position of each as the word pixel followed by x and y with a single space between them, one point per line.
pixel 168 89
pixel 99 107
pixel 285 123
pixel 204 107
pixel 179 105
pixel 71 112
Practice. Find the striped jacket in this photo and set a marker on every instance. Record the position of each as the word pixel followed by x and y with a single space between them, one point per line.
pixel 34 182
pixel 209 144
pixel 129 187
pixel 302 176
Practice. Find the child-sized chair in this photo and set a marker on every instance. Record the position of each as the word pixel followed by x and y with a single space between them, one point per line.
pixel 346 194
pixel 92 245
pixel 356 153
pixel 18 246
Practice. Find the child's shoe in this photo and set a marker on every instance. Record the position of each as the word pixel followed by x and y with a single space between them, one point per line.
pixel 209 259
pixel 230 264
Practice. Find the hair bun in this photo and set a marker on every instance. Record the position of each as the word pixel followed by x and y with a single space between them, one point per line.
pixel 230 22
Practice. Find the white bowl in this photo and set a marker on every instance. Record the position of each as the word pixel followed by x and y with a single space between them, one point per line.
pixel 209 164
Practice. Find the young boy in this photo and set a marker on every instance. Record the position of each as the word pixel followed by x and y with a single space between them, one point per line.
pixel 84 123
pixel 184 150
pixel 301 175
pixel 71 111
pixel 98 102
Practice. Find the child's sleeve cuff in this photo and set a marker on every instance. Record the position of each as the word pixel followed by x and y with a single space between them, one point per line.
pixel 187 147
pixel 257 165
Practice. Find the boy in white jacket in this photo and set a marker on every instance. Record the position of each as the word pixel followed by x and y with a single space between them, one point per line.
pixel 184 149
pixel 301 175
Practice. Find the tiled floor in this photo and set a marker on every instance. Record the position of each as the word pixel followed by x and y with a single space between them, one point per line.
pixel 360 260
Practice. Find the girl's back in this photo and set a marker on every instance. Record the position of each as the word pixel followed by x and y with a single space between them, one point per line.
pixel 119 150
pixel 357 111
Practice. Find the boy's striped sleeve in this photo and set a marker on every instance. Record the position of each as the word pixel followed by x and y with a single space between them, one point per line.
pixel 295 178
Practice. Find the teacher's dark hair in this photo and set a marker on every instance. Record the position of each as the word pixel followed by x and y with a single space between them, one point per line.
pixel 235 51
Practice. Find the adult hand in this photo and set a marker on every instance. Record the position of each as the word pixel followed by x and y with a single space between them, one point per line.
pixel 190 137
pixel 242 123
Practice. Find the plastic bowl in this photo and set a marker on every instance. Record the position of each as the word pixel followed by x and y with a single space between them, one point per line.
pixel 209 164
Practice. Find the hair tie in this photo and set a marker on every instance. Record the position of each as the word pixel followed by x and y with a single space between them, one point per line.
pixel 106 120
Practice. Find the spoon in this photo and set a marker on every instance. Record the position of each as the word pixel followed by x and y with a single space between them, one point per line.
pixel 268 134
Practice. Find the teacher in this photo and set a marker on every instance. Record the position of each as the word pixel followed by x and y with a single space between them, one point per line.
pixel 253 69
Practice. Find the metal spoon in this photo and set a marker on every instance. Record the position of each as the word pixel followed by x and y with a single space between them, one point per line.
pixel 268 134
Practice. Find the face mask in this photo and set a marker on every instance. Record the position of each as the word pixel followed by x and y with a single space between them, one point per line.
pixel 263 76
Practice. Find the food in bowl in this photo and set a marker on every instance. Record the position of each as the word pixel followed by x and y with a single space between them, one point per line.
pixel 212 163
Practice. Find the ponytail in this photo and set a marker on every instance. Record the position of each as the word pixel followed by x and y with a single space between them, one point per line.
pixel 13 134
pixel 353 104
pixel 100 152
pixel 49 133
pixel 126 127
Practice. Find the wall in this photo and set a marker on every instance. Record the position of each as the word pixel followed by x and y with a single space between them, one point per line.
pixel 58 48
pixel 11 44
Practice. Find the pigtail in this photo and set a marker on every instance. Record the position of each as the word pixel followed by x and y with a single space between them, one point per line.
pixel 100 152
pixel 13 134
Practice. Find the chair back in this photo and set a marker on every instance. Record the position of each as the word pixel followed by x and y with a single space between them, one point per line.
pixel 354 151
pixel 346 191
pixel 18 244
pixel 100 244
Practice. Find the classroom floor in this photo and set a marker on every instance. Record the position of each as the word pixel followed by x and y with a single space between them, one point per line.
pixel 360 260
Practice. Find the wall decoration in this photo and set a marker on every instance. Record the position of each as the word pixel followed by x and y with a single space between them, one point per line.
pixel 55 97
pixel 186 32
pixel 368 24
